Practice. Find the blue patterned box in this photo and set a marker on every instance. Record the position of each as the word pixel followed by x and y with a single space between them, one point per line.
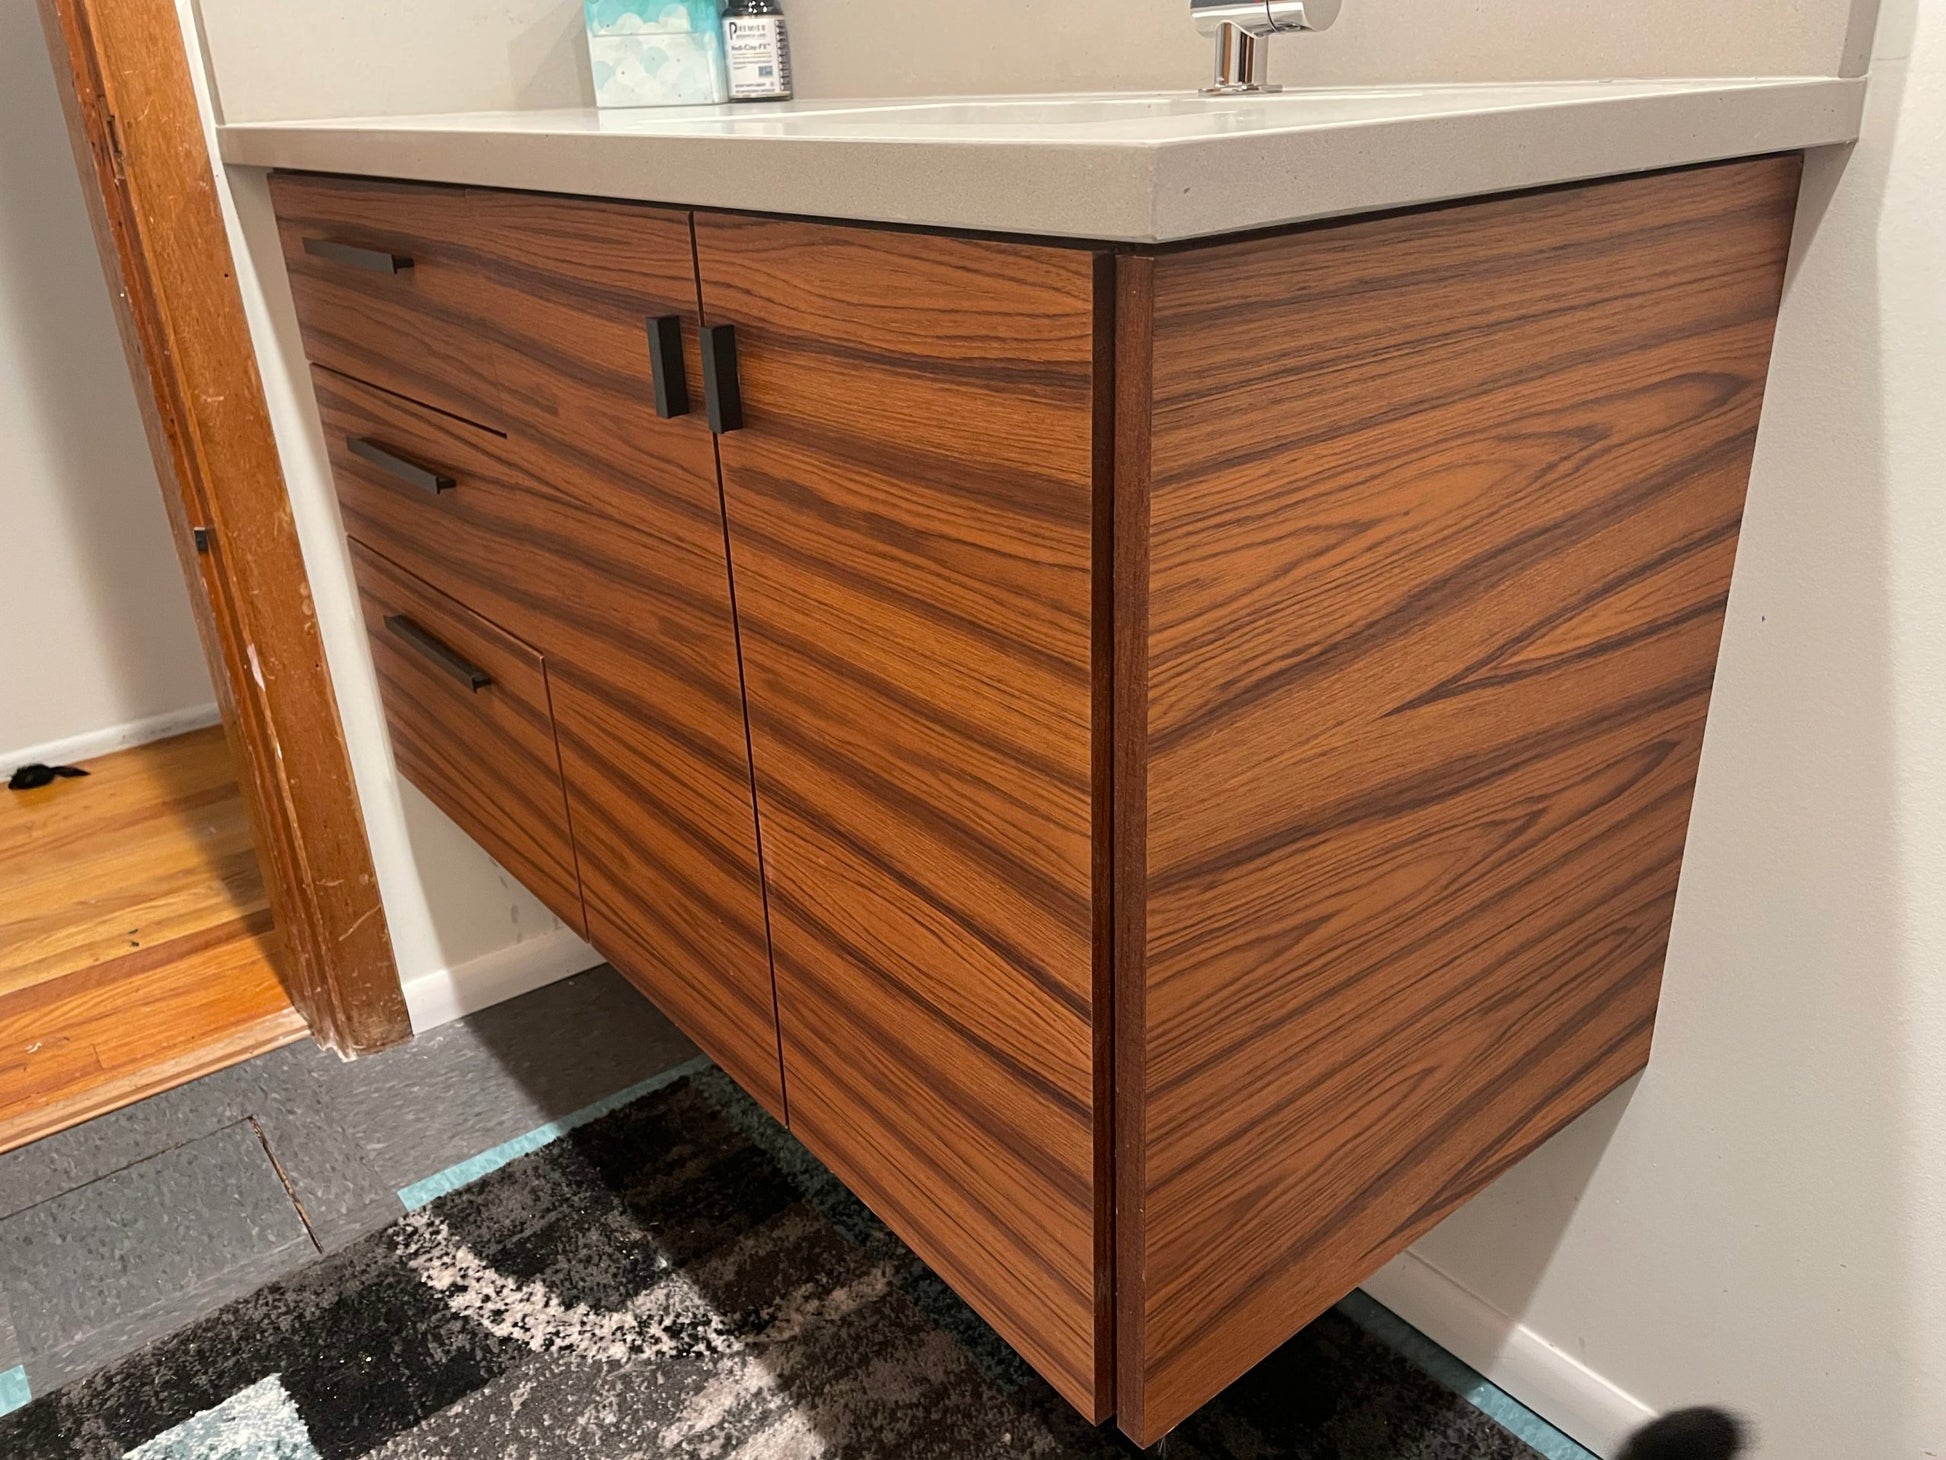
pixel 656 52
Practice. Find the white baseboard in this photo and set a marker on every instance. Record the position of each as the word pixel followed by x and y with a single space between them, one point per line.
pixel 1559 1388
pixel 446 994
pixel 92 743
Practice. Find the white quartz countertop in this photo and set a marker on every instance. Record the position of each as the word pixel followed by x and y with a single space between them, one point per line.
pixel 1129 168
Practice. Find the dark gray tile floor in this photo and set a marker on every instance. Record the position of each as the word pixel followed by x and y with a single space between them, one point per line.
pixel 125 1228
pixel 10 1354
pixel 197 1218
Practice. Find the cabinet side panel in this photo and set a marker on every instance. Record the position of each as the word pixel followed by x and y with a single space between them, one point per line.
pixel 910 505
pixel 1443 512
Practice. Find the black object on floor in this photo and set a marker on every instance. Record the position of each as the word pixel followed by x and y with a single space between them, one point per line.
pixel 678 1278
pixel 33 777
pixel 1687 1434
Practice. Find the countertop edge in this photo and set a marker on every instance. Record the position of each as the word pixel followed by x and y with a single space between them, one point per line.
pixel 1201 190
pixel 1103 191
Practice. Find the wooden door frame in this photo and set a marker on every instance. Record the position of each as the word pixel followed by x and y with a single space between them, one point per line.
pixel 122 69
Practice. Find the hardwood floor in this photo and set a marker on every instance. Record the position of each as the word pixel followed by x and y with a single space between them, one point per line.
pixel 136 946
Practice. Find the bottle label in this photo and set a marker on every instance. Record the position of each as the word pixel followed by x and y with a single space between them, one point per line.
pixel 759 56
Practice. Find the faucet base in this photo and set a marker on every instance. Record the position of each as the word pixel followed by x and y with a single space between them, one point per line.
pixel 1242 61
pixel 1242 30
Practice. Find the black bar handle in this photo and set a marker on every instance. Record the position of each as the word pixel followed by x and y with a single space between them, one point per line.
pixel 378 260
pixel 390 462
pixel 722 392
pixel 666 368
pixel 461 668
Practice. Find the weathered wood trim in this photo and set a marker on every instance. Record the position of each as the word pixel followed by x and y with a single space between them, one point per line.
pixel 123 74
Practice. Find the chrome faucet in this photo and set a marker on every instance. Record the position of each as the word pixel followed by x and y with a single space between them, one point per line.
pixel 1243 29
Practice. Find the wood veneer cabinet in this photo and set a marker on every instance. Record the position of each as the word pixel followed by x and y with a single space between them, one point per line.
pixel 1168 769
pixel 912 504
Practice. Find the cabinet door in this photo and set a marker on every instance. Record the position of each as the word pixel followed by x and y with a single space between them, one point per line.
pixel 635 617
pixel 911 502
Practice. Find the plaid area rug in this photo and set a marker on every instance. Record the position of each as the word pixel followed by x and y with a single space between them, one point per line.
pixel 677 1278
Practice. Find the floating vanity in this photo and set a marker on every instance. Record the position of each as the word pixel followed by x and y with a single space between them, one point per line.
pixel 1164 756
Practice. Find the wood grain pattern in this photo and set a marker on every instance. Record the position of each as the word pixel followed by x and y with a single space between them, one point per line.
pixel 416 332
pixel 1297 648
pixel 139 145
pixel 136 947
pixel 636 612
pixel 593 530
pixel 911 516
pixel 1438 554
pixel 495 541
pixel 159 847
pixel 486 756
pixel 1128 567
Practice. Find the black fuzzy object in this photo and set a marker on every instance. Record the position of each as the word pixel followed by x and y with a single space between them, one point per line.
pixel 1687 1434
pixel 33 777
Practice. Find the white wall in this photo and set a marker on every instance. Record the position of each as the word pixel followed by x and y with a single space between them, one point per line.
pixel 1762 1221
pixel 95 630
pixel 356 57
pixel 465 933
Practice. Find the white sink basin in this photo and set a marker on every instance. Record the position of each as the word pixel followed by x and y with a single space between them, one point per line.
pixel 1039 111
pixel 1030 111
pixel 1132 118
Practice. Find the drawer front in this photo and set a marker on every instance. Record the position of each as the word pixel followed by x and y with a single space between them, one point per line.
pixel 467 707
pixel 641 645
pixel 440 498
pixel 386 288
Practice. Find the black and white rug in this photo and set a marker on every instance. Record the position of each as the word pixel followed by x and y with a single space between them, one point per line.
pixel 677 1278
